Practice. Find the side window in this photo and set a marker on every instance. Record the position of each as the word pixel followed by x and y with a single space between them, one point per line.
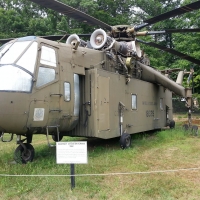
pixel 45 75
pixel 76 95
pixel 67 91
pixel 134 102
pixel 48 56
pixel 46 72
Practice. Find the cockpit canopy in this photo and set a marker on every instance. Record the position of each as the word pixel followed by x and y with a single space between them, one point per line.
pixel 17 63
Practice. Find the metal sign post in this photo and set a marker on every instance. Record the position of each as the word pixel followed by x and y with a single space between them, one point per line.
pixel 72 170
pixel 71 153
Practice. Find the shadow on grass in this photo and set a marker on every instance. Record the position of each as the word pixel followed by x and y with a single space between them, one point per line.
pixel 94 145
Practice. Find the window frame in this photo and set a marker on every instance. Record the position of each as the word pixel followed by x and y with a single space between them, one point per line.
pixel 69 91
pixel 47 66
pixel 134 108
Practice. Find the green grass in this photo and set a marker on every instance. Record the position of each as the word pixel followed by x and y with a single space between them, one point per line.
pixel 165 150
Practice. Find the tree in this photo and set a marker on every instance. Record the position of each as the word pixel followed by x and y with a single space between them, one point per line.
pixel 22 17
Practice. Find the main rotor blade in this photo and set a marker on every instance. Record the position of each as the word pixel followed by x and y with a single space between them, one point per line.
pixel 186 30
pixel 71 12
pixel 173 13
pixel 48 37
pixel 63 37
pixel 172 51
pixel 3 41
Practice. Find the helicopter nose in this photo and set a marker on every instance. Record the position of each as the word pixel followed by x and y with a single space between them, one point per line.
pixel 14 112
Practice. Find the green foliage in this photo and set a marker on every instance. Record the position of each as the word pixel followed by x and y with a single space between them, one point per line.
pixel 22 17
pixel 11 23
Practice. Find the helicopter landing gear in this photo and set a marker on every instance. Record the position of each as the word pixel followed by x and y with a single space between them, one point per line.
pixel 125 140
pixel 172 124
pixel 195 130
pixel 24 153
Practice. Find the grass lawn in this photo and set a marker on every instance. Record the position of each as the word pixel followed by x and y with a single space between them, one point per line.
pixel 164 150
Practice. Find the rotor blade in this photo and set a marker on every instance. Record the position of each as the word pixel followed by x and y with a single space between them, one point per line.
pixel 3 41
pixel 186 30
pixel 172 51
pixel 55 37
pixel 48 37
pixel 58 37
pixel 71 12
pixel 172 13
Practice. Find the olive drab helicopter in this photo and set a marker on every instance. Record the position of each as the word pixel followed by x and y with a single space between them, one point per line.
pixel 101 88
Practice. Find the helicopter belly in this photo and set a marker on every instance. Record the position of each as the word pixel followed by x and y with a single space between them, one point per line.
pixel 13 112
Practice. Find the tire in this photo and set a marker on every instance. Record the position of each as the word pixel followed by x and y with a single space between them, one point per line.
pixel 55 138
pixel 125 141
pixel 172 124
pixel 22 157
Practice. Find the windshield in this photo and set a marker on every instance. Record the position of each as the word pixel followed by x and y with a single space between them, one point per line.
pixel 14 79
pixel 4 49
pixel 17 63
pixel 13 51
pixel 28 59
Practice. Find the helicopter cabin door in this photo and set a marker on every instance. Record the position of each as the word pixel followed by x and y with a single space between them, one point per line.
pixel 45 102
pixel 70 103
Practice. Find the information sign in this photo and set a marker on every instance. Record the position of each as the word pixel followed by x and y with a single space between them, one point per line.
pixel 71 152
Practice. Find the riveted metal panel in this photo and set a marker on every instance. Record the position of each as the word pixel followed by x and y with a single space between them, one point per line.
pixel 103 103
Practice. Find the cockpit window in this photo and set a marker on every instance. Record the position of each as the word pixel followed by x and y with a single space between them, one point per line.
pixel 17 62
pixel 45 75
pixel 48 56
pixel 27 61
pixel 14 79
pixel 47 69
pixel 5 47
pixel 13 51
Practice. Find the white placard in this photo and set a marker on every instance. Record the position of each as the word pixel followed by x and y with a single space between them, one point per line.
pixel 71 152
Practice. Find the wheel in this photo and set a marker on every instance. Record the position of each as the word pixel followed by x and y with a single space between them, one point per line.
pixel 22 156
pixel 172 124
pixel 55 138
pixel 125 141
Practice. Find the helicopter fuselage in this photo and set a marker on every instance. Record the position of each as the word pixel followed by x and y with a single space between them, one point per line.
pixel 78 91
pixel 103 88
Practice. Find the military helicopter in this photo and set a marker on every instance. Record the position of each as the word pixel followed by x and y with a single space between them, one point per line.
pixel 101 88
